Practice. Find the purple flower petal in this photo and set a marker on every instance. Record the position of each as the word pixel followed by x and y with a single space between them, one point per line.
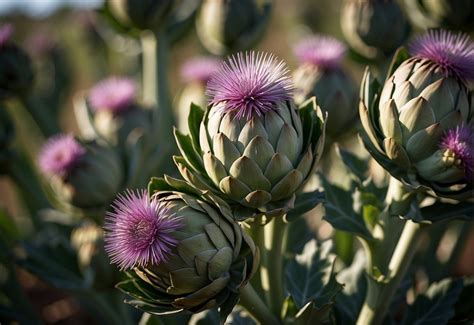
pixel 6 32
pixel 250 84
pixel 113 94
pixel 454 53
pixel 460 141
pixel 322 51
pixel 60 154
pixel 200 68
pixel 139 231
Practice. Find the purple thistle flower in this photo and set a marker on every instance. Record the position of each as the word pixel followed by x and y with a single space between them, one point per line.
pixel 6 32
pixel 200 68
pixel 461 142
pixel 454 53
pixel 60 154
pixel 250 84
pixel 113 94
pixel 139 232
pixel 321 51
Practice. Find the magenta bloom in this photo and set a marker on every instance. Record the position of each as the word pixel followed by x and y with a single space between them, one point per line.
pixel 454 53
pixel 461 142
pixel 139 231
pixel 60 154
pixel 6 32
pixel 322 51
pixel 113 94
pixel 250 84
pixel 200 68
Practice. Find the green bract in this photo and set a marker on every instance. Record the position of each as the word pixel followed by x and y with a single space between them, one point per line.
pixel 404 125
pixel 259 163
pixel 212 260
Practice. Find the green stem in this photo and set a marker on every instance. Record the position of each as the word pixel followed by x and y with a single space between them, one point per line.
pixel 255 306
pixel 272 264
pixel 380 294
pixel 43 118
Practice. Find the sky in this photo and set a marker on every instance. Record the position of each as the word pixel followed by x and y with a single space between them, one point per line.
pixel 42 8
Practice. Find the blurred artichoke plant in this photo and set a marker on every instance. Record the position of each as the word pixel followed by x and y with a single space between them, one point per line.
pixel 7 132
pixel 253 146
pixel 183 249
pixel 374 28
pixel 83 175
pixel 421 127
pixel 227 26
pixel 141 14
pixel 321 74
pixel 453 14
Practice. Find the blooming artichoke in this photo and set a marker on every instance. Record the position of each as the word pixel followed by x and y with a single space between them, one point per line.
pixel 420 127
pixel 252 147
pixel 374 28
pixel 182 247
pixel 226 26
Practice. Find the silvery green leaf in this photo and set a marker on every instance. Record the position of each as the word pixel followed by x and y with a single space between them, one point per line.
pixel 444 211
pixel 357 166
pixel 305 202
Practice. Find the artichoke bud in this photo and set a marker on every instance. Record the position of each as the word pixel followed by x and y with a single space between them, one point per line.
pixel 374 28
pixel 226 26
pixel 142 14
pixel 251 138
pixel 16 71
pixel 423 120
pixel 83 175
pixel 184 248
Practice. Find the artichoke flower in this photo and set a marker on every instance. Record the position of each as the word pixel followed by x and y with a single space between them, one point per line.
pixel 374 28
pixel 253 146
pixel 85 176
pixel 226 26
pixel 420 128
pixel 321 74
pixel 181 247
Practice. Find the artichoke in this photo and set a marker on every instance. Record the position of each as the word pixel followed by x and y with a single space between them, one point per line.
pixel 420 127
pixel 142 14
pixel 201 257
pixel 226 26
pixel 374 28
pixel 252 146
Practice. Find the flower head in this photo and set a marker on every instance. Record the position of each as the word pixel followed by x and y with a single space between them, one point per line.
pixel 6 32
pixel 250 84
pixel 60 154
pixel 459 143
pixel 139 231
pixel 113 94
pixel 200 68
pixel 454 53
pixel 321 51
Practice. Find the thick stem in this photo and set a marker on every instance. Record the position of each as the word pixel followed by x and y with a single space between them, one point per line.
pixel 380 294
pixel 255 306
pixel 271 269
pixel 149 68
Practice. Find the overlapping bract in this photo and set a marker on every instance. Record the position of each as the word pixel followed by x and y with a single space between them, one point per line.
pixel 405 126
pixel 212 260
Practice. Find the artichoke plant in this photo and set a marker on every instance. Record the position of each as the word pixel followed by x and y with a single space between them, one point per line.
pixel 252 146
pixel 142 14
pixel 420 128
pixel 182 247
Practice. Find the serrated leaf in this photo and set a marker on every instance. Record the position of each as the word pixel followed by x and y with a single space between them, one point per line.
pixel 359 167
pixel 446 211
pixel 436 306
pixel 185 146
pixel 305 202
pixel 299 233
pixel 310 276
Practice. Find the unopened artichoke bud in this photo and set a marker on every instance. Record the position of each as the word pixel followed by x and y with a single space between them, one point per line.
pixel 421 129
pixel 227 26
pixel 86 176
pixel 142 14
pixel 116 113
pixel 255 147
pixel 182 247
pixel 452 14
pixel 16 72
pixel 88 241
pixel 321 74
pixel 196 72
pixel 374 28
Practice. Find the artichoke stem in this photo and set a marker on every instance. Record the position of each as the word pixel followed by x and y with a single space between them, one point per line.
pixel 272 264
pixel 251 301
pixel 380 294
